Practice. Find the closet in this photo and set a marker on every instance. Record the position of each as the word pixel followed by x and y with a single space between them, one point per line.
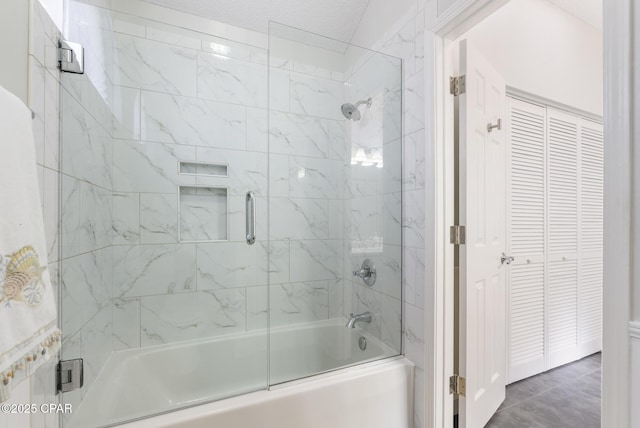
pixel 555 231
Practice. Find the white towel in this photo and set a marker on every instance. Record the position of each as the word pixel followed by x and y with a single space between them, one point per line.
pixel 28 332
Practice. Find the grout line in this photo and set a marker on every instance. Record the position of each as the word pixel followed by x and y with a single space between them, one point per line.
pixel 562 384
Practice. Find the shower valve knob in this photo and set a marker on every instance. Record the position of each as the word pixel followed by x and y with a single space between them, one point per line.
pixel 367 272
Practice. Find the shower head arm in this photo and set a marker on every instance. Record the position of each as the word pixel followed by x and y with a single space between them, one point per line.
pixel 367 102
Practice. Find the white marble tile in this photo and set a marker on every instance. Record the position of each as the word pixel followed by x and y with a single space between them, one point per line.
pixel 97 346
pixel 392 170
pixel 87 147
pixel 44 390
pixel 278 175
pixel 402 45
pixel 247 170
pixel 366 218
pixel 85 217
pixel 317 71
pixel 419 398
pixel 278 89
pixel 126 324
pixel 315 178
pixel 141 270
pixel 126 218
pixel 204 214
pixel 126 24
pixel 421 276
pixel 140 166
pixel 298 218
pixel 38 23
pixel 279 260
pixel 392 218
pixel 257 130
pixel 337 216
pixel 314 260
pixel 86 288
pixel 339 144
pixel 414 104
pixel 336 298
pixel 186 316
pixel 71 345
pixel 298 302
pixel 420 159
pixel 391 322
pixel 230 49
pixel 394 122
pixel 173 35
pixel 409 266
pixel 413 218
pixel 155 66
pixel 51 204
pixel 413 335
pixel 37 84
pixel 230 265
pixel 300 135
pixel 315 96
pixel 52 123
pixel 182 120
pixel 419 40
pixel 126 113
pixel 232 81
pixel 158 218
pixel 409 162
pixel 257 307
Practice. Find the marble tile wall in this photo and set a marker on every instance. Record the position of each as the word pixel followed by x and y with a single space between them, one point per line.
pixel 308 139
pixel 374 213
pixel 184 96
pixel 44 101
pixel 86 198
pixel 405 39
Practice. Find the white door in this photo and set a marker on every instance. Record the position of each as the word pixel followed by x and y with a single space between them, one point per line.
pixel 482 209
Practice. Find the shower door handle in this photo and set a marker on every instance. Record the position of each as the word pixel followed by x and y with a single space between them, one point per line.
pixel 250 205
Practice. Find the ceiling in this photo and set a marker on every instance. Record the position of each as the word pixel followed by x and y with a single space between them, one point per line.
pixel 590 11
pixel 337 19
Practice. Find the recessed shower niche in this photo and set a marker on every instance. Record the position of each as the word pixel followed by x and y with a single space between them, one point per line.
pixel 203 214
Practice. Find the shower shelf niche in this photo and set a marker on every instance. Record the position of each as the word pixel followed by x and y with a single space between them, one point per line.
pixel 203 214
pixel 203 168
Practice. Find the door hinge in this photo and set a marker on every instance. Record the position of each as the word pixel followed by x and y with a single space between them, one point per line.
pixel 457 85
pixel 70 57
pixel 457 235
pixel 70 375
pixel 457 385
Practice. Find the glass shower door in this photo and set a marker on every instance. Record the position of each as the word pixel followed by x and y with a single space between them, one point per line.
pixel 335 198
pixel 161 294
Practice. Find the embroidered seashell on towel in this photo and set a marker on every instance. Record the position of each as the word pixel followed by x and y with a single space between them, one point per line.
pixel 28 332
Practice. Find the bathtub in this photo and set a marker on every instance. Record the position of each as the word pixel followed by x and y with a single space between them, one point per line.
pixel 375 388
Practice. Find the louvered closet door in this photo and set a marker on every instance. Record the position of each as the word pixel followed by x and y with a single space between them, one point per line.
pixel 562 258
pixel 591 237
pixel 525 276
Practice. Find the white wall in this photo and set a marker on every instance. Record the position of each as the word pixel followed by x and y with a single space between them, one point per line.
pixel 541 49
pixel 14 19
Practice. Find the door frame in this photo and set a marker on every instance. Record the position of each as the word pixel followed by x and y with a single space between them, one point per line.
pixel 458 18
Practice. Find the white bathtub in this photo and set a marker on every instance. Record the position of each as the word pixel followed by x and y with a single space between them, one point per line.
pixel 161 379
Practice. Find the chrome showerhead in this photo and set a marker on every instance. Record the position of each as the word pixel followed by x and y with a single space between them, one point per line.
pixel 351 112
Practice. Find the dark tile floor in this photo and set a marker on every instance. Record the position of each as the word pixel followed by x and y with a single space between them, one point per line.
pixel 565 397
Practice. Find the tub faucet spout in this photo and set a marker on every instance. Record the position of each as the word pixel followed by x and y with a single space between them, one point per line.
pixel 353 319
